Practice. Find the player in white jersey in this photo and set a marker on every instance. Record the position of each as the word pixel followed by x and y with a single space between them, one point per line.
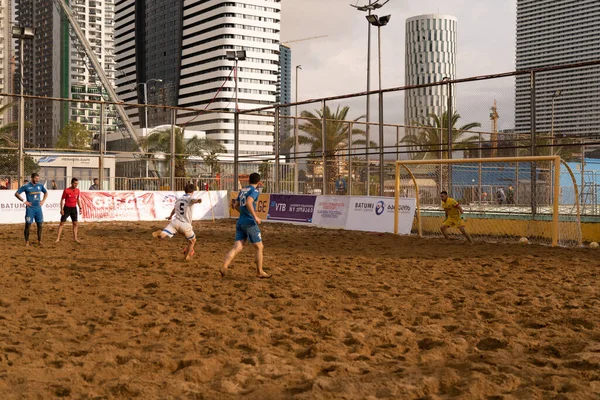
pixel 182 223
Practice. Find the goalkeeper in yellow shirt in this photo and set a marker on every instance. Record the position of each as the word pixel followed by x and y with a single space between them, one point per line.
pixel 454 213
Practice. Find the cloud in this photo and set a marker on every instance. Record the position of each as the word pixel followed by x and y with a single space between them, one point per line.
pixel 337 64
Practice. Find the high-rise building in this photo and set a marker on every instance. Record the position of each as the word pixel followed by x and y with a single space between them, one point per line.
pixel 6 55
pixel 96 19
pixel 550 33
pixel 54 66
pixel 284 90
pixel 430 57
pixel 42 65
pixel 181 48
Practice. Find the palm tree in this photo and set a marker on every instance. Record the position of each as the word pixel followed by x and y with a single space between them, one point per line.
pixel 7 138
pixel 431 139
pixel 9 159
pixel 336 134
pixel 160 142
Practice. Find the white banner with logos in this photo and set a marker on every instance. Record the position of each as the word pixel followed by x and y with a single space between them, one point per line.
pixel 212 202
pixel 331 211
pixel 376 214
pixel 12 211
pixel 99 206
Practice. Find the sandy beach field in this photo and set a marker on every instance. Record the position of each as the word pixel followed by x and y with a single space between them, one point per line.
pixel 346 315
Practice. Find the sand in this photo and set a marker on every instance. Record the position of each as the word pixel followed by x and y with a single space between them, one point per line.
pixel 346 315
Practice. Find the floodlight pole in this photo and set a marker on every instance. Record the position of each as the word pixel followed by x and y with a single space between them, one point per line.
pixel 22 33
pixel 381 149
pixel 236 56
pixel 21 172
pixel 368 116
pixel 236 131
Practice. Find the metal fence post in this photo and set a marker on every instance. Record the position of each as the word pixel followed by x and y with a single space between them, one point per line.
pixel 324 145
pixel 450 113
pixel 236 149
pixel 276 138
pixel 397 143
pixel 101 148
pixel 533 144
pixel 296 145
pixel 350 128
pixel 479 168
pixel 173 152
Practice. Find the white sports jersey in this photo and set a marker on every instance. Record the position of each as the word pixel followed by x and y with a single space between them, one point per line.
pixel 184 209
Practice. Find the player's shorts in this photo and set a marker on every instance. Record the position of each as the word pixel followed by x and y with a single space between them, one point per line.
pixel 69 212
pixel 34 214
pixel 457 222
pixel 182 228
pixel 250 232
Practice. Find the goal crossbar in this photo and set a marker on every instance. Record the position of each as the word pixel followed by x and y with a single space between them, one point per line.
pixel 555 160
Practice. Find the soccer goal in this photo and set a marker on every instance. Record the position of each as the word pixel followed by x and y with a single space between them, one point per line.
pixel 504 199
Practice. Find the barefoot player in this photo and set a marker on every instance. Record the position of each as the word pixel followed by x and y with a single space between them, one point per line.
pixel 246 228
pixel 34 202
pixel 68 208
pixel 182 223
pixel 453 216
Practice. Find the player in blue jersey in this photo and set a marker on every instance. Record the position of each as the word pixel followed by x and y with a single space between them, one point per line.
pixel 246 228
pixel 33 200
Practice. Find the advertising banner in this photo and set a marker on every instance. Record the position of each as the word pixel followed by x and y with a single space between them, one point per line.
pixel 376 214
pixel 12 211
pixel 212 202
pixel 262 205
pixel 331 211
pixel 118 206
pixel 291 208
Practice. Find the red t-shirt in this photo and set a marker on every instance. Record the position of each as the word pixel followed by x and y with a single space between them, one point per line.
pixel 70 197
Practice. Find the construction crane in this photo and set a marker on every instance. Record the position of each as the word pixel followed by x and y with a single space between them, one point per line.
pixel 303 40
pixel 494 136
pixel 87 49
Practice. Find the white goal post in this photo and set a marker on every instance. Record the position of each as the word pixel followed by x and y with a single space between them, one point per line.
pixel 480 184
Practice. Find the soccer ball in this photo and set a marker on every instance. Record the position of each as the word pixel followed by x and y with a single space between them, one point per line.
pixel 524 240
pixel 594 245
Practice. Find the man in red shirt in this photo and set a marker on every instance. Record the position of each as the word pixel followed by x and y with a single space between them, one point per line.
pixel 68 208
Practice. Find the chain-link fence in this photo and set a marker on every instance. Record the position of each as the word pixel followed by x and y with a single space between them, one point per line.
pixel 322 146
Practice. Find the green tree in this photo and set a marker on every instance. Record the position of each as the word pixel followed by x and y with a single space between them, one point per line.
pixel 160 142
pixel 74 136
pixel 431 136
pixel 336 135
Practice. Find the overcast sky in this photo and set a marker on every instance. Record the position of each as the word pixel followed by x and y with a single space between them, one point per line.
pixel 337 64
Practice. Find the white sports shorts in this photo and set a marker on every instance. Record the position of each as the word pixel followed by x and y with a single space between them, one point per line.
pixel 182 228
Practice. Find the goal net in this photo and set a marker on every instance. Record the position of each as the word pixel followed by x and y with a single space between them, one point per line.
pixel 503 199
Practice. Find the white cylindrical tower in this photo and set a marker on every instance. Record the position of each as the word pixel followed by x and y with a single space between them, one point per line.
pixel 430 57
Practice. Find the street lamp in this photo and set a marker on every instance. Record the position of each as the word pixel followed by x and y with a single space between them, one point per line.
pixel 22 33
pixel 379 22
pixel 144 85
pixel 554 96
pixel 369 8
pixel 236 56
pixel 296 144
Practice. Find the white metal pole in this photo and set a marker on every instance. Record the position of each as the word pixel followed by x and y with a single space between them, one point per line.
pixel 296 144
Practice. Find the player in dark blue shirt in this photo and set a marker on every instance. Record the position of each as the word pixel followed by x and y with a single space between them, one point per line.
pixel 33 200
pixel 246 228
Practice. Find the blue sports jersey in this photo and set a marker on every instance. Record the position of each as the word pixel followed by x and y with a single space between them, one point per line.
pixel 245 216
pixel 33 193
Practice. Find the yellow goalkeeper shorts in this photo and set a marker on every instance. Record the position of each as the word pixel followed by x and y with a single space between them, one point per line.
pixel 457 222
